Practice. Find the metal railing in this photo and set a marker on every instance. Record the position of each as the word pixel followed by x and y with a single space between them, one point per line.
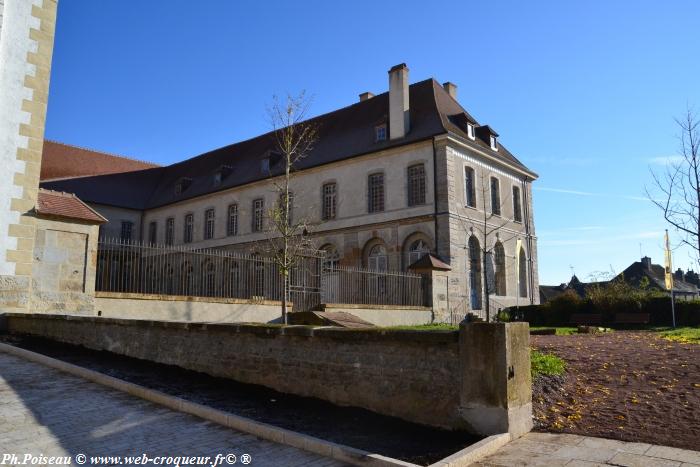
pixel 370 287
pixel 132 267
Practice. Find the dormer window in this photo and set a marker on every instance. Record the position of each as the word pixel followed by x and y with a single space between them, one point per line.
pixel 380 133
pixel 470 131
pixel 182 185
pixel 221 173
pixel 494 143
pixel 265 165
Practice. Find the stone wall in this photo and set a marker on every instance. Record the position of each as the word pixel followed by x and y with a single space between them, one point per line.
pixel 176 308
pixel 386 315
pixel 26 46
pixel 448 379
pixel 63 269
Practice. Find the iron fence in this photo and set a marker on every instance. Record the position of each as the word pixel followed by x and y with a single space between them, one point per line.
pixel 132 267
pixel 370 287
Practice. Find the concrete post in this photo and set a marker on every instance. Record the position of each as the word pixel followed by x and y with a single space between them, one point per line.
pixel 496 394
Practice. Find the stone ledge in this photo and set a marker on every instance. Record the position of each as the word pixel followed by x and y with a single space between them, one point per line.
pixel 264 330
pixel 352 306
pixel 187 298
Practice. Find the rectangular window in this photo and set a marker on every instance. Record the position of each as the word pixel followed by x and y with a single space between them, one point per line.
pixel 494 143
pixel 209 218
pixel 380 133
pixel 495 196
pixel 328 201
pixel 416 185
pixel 517 208
pixel 375 193
pixel 127 229
pixel 469 187
pixel 258 206
pixel 281 207
pixel 189 224
pixel 169 230
pixel 152 232
pixel 232 227
pixel 470 131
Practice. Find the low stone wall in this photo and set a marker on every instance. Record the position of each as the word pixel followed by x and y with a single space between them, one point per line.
pixel 386 315
pixel 433 378
pixel 191 309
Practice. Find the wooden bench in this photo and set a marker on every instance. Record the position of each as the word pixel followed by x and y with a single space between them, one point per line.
pixel 586 318
pixel 632 318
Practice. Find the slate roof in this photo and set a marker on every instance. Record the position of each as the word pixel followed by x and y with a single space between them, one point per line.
pixel 656 275
pixel 65 205
pixel 59 161
pixel 342 134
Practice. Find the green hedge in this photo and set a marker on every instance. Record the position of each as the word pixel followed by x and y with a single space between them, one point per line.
pixel 558 311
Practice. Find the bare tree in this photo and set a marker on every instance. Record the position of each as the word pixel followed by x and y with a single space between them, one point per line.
pixel 677 189
pixel 288 237
pixel 488 225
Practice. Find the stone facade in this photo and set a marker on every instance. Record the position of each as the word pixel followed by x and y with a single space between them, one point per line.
pixel 476 379
pixel 26 45
pixel 63 270
pixel 354 232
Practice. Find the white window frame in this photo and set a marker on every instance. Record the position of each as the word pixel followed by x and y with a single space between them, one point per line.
pixel 470 131
pixel 494 143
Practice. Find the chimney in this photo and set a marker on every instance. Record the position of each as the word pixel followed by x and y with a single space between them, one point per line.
pixel 451 89
pixel 646 262
pixel 399 124
pixel 365 96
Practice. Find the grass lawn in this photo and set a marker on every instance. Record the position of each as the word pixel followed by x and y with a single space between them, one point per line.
pixel 686 335
pixel 545 364
pixel 561 331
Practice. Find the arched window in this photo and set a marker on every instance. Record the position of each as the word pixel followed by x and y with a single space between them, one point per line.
pixel 500 273
pixel 474 273
pixel 169 277
pixel 416 251
pixel 377 259
pixel 332 258
pixel 258 276
pixel 522 273
pixel 208 278
pixel 187 279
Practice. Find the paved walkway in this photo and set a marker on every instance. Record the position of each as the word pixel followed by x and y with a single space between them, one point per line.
pixel 545 449
pixel 46 412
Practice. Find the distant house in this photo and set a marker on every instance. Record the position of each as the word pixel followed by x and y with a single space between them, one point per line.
pixel 686 286
pixel 654 275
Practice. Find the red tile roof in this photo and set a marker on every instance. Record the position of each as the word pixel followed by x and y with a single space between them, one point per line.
pixel 66 205
pixel 61 161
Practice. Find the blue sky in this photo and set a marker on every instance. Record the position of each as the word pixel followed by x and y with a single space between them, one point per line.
pixel 584 93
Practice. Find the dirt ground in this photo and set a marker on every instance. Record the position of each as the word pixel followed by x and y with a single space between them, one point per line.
pixel 626 385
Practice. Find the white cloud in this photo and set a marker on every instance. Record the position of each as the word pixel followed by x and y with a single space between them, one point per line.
pixel 588 193
pixel 666 160
pixel 597 240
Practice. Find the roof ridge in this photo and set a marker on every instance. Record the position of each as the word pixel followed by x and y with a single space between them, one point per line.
pixel 105 153
pixel 323 115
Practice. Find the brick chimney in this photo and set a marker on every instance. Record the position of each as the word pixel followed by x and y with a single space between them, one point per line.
pixel 646 262
pixel 451 89
pixel 399 122
pixel 365 96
